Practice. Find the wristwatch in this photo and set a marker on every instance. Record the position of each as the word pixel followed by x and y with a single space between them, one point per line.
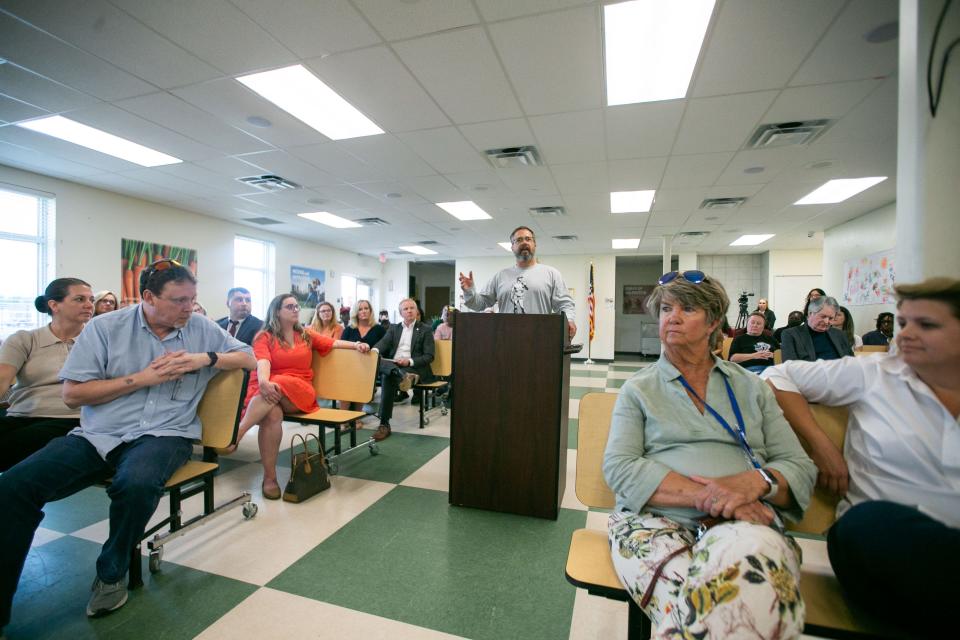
pixel 213 358
pixel 771 480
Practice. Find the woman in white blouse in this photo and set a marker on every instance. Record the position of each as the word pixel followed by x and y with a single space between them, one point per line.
pixel 896 545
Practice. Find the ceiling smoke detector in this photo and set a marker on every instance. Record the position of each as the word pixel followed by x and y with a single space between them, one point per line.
pixel 566 238
pixel 373 222
pixel 262 221
pixel 547 212
pixel 785 134
pixel 514 157
pixel 722 203
pixel 269 183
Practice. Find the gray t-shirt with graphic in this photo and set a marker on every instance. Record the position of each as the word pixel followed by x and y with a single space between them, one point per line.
pixel 536 289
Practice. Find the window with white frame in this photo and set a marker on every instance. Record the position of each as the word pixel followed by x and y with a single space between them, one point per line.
pixel 26 256
pixel 254 264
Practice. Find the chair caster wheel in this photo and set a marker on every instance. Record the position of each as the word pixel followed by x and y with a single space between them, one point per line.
pixel 443 411
pixel 426 421
pixel 374 448
pixel 156 556
pixel 332 468
pixel 249 510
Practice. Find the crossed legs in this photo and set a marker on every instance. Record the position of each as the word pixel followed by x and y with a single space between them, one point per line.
pixel 269 415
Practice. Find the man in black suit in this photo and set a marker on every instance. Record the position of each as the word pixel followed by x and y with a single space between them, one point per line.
pixel 406 352
pixel 241 324
pixel 817 339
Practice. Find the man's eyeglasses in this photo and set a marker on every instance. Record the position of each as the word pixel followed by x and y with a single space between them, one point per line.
pixel 292 307
pixel 520 239
pixel 692 276
pixel 186 301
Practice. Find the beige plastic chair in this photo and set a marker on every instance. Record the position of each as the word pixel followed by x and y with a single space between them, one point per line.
pixel 442 367
pixel 873 348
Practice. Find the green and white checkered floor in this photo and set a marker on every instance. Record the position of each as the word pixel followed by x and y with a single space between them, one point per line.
pixel 379 555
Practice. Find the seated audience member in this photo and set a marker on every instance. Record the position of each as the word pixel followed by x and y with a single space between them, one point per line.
pixel 198 309
pixel 844 322
pixel 137 376
pixel 883 334
pixel 406 352
pixel 794 319
pixel 704 468
pixel 896 545
pixel 104 302
pixel 753 350
pixel 241 323
pixel 769 317
pixel 33 359
pixel 283 381
pixel 817 339
pixel 362 329
pixel 814 293
pixel 325 321
pixel 444 330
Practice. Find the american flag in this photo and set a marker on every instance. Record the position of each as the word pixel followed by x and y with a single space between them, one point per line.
pixel 591 303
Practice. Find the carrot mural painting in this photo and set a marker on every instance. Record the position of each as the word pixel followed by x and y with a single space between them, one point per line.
pixel 135 255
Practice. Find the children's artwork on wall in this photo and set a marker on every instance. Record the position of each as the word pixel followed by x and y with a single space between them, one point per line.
pixel 869 280
pixel 308 286
pixel 635 297
pixel 135 255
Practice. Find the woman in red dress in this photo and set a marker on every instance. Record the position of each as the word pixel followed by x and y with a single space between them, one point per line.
pixel 283 381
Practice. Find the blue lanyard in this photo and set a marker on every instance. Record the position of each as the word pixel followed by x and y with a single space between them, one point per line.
pixel 741 434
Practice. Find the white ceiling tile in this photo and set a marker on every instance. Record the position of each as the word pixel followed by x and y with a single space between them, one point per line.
pixel 773 161
pixel 832 101
pixel 435 189
pixel 642 130
pixel 229 167
pixel 498 134
pixel 401 197
pixel 445 150
pixel 388 154
pixel 338 163
pixel 570 137
pixel 582 177
pixel 309 28
pixel 477 183
pixel 374 81
pixel 287 166
pixel 58 149
pixel 843 53
pixel 213 30
pixel 103 30
pixel 668 218
pixel 47 56
pixel 756 44
pixel 25 158
pixel 172 183
pixel 12 110
pixel 722 123
pixel 636 174
pixel 503 9
pixel 553 59
pixel 678 199
pixel 695 170
pixel 233 103
pixel 396 20
pixel 177 115
pixel 40 92
pixel 529 180
pixel 874 118
pixel 215 182
pixel 587 204
pixel 462 73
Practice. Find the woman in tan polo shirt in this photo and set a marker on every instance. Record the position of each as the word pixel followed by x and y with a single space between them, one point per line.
pixel 30 363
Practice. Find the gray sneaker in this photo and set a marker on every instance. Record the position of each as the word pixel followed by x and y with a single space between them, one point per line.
pixel 106 597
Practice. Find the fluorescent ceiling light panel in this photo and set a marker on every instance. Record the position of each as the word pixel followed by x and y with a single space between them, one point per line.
pixel 420 251
pixel 507 246
pixel 626 243
pixel 330 220
pixel 81 134
pixel 747 241
pixel 651 48
pixel 631 201
pixel 839 190
pixel 306 97
pixel 464 210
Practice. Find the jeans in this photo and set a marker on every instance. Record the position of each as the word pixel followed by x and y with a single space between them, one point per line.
pixel 897 563
pixel 65 466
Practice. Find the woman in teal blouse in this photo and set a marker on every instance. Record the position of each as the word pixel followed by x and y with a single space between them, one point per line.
pixel 705 468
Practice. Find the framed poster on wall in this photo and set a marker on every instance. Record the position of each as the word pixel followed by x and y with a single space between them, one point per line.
pixel 135 255
pixel 308 286
pixel 635 298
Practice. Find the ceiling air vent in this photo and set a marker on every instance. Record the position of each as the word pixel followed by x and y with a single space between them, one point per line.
pixel 722 203
pixel 269 183
pixel 566 238
pixel 692 235
pixel 427 243
pixel 514 157
pixel 787 133
pixel 262 221
pixel 547 212
pixel 373 222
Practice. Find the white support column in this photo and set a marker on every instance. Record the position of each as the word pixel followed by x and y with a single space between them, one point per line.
pixel 687 261
pixel 667 253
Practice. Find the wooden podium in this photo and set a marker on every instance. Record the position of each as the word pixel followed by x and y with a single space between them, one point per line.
pixel 508 426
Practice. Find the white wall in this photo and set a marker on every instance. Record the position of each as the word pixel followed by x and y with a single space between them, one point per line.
pixel 393 287
pixel 862 236
pixel 432 274
pixel 90 224
pixel 802 262
pixel 629 332
pixel 738 273
pixel 576 274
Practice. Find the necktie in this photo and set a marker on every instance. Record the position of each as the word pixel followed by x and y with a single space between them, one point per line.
pixel 233 328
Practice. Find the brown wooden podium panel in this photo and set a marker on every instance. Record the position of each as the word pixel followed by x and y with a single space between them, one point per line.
pixel 508 436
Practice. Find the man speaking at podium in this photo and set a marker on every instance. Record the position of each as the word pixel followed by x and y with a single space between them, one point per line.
pixel 529 287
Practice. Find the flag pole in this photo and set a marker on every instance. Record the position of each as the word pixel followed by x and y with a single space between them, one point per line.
pixel 591 317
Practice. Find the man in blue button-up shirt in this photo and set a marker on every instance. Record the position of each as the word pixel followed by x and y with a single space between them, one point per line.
pixel 137 375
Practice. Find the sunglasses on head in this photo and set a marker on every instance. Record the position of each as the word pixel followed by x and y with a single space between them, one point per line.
pixel 692 276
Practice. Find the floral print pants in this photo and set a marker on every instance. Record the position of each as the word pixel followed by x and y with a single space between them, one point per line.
pixel 740 580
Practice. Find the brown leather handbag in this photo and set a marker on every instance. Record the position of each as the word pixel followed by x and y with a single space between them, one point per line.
pixel 308 471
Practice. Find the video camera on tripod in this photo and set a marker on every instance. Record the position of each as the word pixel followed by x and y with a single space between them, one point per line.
pixel 744 310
